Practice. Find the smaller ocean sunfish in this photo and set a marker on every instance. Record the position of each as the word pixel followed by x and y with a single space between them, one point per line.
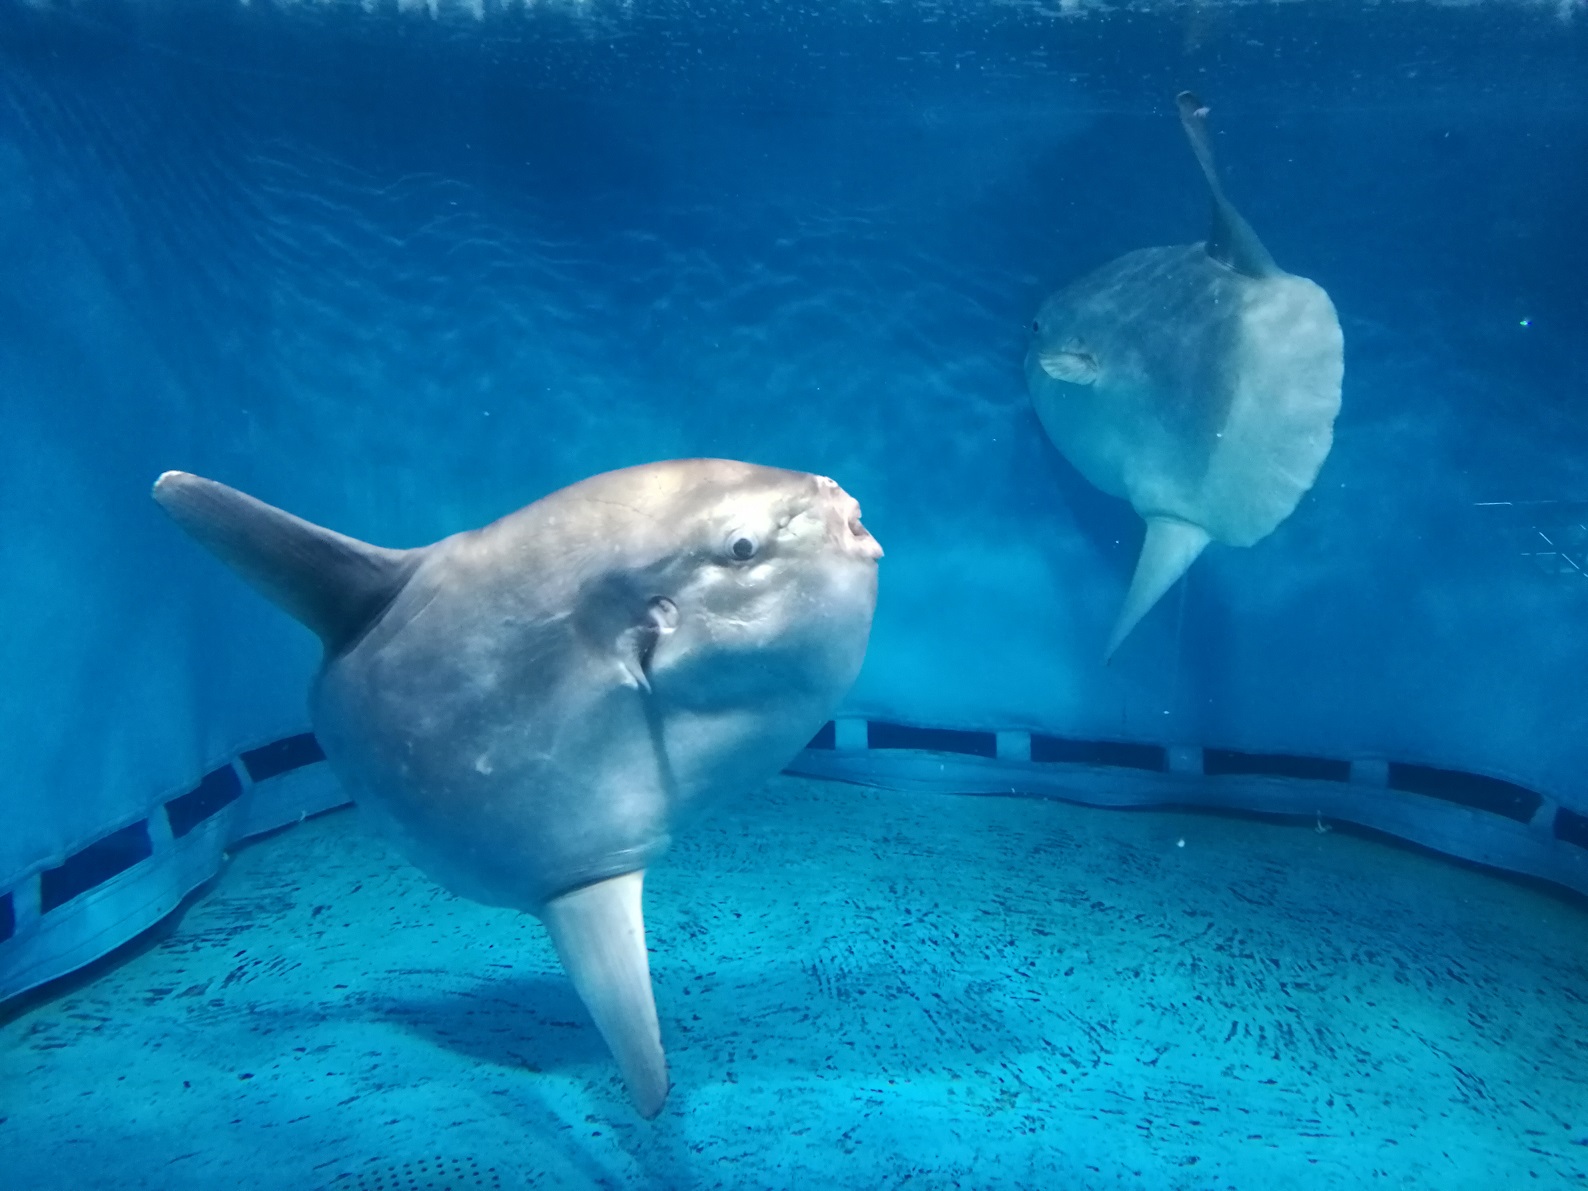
pixel 1200 382
pixel 528 707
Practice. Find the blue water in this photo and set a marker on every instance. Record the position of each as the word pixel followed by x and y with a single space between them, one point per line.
pixel 402 273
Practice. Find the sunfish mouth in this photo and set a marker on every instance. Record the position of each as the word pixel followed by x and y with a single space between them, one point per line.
pixel 860 540
pixel 844 527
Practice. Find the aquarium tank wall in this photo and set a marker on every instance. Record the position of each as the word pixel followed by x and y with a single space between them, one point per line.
pixel 401 269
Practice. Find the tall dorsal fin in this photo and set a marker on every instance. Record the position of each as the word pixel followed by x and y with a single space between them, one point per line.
pixel 336 585
pixel 1232 241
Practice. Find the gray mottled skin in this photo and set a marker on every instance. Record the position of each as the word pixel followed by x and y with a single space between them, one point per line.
pixel 530 707
pixel 1199 381
pixel 501 699
pixel 1215 393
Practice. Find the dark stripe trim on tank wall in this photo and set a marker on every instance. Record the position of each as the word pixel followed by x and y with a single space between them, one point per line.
pixel 220 787
pixel 282 756
pixel 1478 791
pixel 121 849
pixel 94 865
pixel 1216 762
pixel 1469 789
pixel 1571 827
pixel 113 854
pixel 883 735
pixel 1109 754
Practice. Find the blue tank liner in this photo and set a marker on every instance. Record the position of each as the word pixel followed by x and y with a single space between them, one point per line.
pixel 93 902
pixel 1471 817
pixel 858 989
pixel 72 911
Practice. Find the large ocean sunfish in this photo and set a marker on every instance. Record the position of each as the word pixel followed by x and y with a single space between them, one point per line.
pixel 528 707
pixel 1200 382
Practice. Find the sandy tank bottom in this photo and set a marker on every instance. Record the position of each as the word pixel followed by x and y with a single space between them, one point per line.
pixel 856 989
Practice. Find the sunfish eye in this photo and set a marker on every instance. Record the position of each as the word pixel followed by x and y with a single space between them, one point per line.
pixel 1036 326
pixel 742 546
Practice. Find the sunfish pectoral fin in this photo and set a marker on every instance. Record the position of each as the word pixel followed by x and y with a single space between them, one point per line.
pixel 1167 552
pixel 335 585
pixel 631 660
pixel 1231 241
pixel 599 933
pixel 1071 367
pixel 637 643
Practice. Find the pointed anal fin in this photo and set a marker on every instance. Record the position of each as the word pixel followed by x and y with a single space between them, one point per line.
pixel 336 585
pixel 599 933
pixel 1231 241
pixel 1167 552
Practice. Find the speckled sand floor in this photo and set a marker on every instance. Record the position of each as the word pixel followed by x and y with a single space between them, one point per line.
pixel 857 989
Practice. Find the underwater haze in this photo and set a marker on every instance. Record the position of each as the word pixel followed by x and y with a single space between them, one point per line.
pixel 401 269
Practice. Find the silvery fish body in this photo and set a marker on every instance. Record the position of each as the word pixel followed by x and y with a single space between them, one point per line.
pixel 529 708
pixel 1199 381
